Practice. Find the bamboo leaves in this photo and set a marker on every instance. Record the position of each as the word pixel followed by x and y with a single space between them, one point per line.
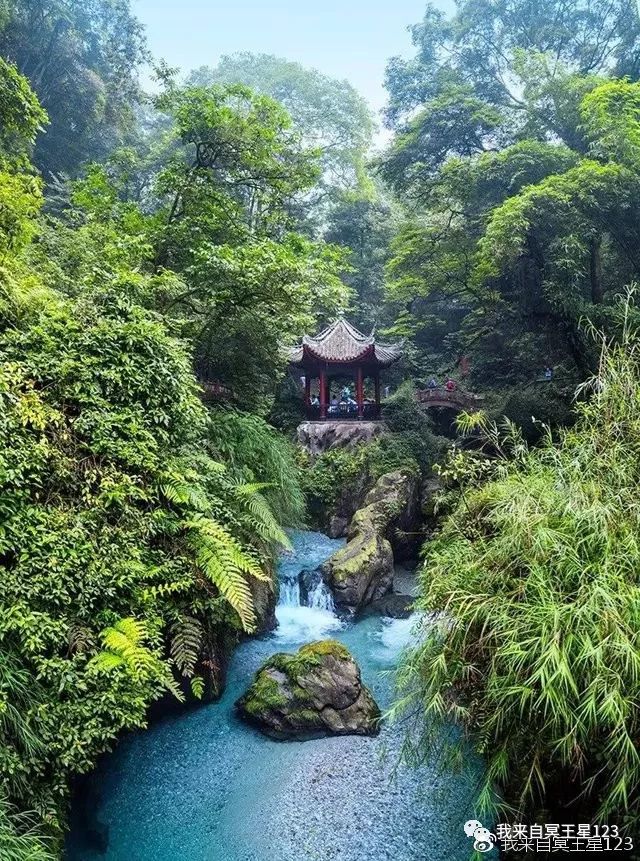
pixel 540 653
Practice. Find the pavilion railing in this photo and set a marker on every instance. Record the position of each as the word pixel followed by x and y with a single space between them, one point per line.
pixel 343 412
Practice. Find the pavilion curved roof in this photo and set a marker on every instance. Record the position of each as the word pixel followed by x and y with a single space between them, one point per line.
pixel 343 343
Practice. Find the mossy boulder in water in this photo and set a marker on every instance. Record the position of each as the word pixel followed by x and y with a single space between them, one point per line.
pixel 316 692
pixel 362 570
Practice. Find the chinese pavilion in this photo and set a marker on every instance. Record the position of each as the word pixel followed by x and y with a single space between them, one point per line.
pixel 337 352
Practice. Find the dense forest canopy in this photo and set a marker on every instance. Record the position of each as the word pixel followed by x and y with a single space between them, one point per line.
pixel 513 236
pixel 82 60
pixel 329 114
pixel 153 246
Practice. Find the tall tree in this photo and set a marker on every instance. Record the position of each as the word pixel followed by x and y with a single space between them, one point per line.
pixel 129 558
pixel 364 225
pixel 330 115
pixel 481 46
pixel 21 117
pixel 492 107
pixel 228 266
pixel 252 280
pixel 81 60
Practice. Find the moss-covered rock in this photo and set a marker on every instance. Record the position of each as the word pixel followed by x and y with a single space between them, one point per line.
pixel 362 571
pixel 318 691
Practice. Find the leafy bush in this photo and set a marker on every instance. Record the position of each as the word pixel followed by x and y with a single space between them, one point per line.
pixel 325 478
pixel 412 434
pixel 117 528
pixel 536 578
pixel 256 452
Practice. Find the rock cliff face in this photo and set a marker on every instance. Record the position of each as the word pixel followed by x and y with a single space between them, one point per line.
pixel 318 437
pixel 265 598
pixel 362 571
pixel 316 692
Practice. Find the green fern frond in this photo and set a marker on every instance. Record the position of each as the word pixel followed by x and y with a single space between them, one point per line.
pixel 173 687
pixel 164 589
pixel 184 488
pixel 197 687
pixel 133 629
pixel 223 560
pixel 106 661
pixel 124 648
pixel 262 520
pixel 249 488
pixel 229 548
pixel 186 641
pixel 180 492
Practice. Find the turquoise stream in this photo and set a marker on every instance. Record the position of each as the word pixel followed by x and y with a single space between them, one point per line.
pixel 202 786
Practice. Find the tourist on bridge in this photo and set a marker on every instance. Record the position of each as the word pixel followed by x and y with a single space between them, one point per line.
pixel 450 385
pixel 433 383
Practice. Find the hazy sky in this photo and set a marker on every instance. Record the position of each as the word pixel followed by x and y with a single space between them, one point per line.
pixel 350 39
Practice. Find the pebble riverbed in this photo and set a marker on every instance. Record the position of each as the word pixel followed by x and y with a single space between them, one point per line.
pixel 202 786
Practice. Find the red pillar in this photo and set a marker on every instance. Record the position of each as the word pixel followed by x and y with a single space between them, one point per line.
pixel 307 390
pixel 377 385
pixel 323 394
pixel 359 391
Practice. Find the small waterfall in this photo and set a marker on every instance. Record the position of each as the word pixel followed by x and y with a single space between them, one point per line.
pixel 305 589
pixel 305 610
pixel 320 597
pixel 289 592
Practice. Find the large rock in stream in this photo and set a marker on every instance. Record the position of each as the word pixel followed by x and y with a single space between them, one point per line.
pixel 362 570
pixel 316 692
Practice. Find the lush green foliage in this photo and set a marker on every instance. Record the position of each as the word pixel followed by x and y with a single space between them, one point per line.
pixel 535 577
pixel 138 525
pixel 22 114
pixel 110 509
pixel 131 556
pixel 21 838
pixel 365 224
pixel 486 46
pixel 329 114
pixel 412 436
pixel 517 152
pixel 81 59
pixel 226 265
pixel 410 444
pixel 254 451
